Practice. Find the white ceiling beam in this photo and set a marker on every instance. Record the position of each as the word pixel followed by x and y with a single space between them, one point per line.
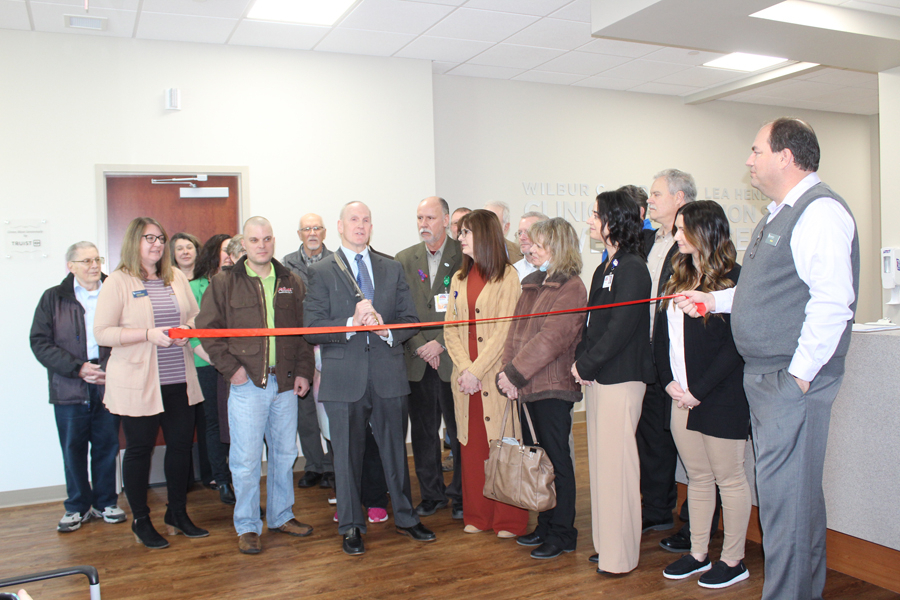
pixel 751 82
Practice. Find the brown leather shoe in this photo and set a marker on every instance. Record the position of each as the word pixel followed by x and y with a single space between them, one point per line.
pixel 248 543
pixel 295 528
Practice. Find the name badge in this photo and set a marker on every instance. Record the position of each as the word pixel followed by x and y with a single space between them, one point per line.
pixel 607 281
pixel 139 294
pixel 772 239
pixel 441 302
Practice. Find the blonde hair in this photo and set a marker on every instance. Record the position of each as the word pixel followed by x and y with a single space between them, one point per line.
pixel 131 252
pixel 558 236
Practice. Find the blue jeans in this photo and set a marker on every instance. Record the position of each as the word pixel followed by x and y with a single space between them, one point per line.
pixel 78 426
pixel 253 413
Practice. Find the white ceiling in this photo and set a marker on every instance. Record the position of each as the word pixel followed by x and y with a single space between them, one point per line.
pixel 545 41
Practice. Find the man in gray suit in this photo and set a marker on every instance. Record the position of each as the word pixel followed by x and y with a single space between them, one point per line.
pixel 364 374
pixel 319 467
pixel 429 266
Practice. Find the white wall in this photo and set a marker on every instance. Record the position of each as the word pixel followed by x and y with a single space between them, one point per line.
pixel 316 130
pixel 889 102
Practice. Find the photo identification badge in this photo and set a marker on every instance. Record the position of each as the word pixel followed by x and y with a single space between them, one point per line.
pixel 441 302
pixel 607 281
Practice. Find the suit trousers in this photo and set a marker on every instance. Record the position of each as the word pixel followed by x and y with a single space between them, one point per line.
pixel 790 431
pixel 347 424
pixel 613 412
pixel 317 460
pixel 430 399
pixel 658 457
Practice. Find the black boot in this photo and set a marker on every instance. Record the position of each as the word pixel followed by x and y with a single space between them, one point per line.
pixel 178 521
pixel 145 534
pixel 226 493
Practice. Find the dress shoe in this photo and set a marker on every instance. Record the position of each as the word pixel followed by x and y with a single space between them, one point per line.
pixel 594 558
pixel 177 521
pixel 447 464
pixel 353 542
pixel 327 480
pixel 309 479
pixel 456 512
pixel 427 508
pixel 647 525
pixel 226 493
pixel 548 550
pixel 680 542
pixel 418 532
pixel 294 528
pixel 146 534
pixel 530 539
pixel 248 543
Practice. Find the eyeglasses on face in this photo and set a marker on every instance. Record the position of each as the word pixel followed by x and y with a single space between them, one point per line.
pixel 464 232
pixel 151 239
pixel 316 229
pixel 90 261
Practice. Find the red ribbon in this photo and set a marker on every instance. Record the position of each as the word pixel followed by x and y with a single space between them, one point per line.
pixel 263 332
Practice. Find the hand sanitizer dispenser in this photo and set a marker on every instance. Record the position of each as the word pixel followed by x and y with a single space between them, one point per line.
pixel 890 273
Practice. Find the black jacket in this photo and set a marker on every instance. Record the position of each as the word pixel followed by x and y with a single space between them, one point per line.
pixel 59 342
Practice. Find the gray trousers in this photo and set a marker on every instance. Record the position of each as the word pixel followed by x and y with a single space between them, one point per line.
pixel 317 460
pixel 790 431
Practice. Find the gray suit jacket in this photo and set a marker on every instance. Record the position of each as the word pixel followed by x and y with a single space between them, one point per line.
pixel 346 364
pixel 294 262
pixel 415 259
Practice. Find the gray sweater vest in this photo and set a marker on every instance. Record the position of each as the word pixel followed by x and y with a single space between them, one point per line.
pixel 770 299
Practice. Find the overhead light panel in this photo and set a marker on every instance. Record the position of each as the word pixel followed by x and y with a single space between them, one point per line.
pixel 741 61
pixel 305 12
pixel 92 23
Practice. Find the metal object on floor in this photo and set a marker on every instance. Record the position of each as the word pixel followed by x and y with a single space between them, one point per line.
pixel 87 571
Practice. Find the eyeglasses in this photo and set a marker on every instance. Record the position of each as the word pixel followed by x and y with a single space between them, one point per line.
pixel 316 229
pixel 755 247
pixel 151 239
pixel 90 261
pixel 464 232
pixel 522 233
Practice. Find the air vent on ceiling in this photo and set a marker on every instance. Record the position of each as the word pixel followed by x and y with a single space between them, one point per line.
pixel 92 23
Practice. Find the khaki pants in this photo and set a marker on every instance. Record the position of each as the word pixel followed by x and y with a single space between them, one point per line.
pixel 613 412
pixel 709 461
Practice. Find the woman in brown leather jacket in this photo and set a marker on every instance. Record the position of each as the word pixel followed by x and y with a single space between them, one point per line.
pixel 537 358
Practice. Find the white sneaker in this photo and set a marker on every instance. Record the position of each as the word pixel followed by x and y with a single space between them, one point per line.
pixel 110 514
pixel 72 521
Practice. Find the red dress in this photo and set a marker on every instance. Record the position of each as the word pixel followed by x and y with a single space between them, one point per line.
pixel 479 511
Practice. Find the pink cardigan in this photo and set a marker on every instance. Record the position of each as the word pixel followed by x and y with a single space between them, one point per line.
pixel 132 375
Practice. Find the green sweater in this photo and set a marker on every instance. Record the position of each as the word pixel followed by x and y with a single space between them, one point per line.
pixel 198 286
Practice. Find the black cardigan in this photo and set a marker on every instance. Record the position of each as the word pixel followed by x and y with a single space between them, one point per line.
pixel 714 371
pixel 615 346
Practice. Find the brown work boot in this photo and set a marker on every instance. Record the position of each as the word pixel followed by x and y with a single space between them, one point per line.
pixel 295 528
pixel 248 543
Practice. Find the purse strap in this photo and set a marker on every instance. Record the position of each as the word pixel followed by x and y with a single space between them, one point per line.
pixel 509 402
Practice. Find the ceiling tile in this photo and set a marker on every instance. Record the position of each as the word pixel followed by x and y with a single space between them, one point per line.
pixel 844 77
pixel 645 70
pixel 51 18
pixel 608 83
pixel 14 15
pixel 278 35
pixel 554 33
pixel 580 10
pixel 438 67
pixel 442 49
pixel 799 90
pixel 548 77
pixel 395 16
pixel 447 2
pixel 664 88
pixel 701 77
pixel 583 63
pixel 683 56
pixel 541 8
pixel 372 43
pixel 184 28
pixel 228 9
pixel 619 48
pixel 113 4
pixel 484 25
pixel 848 95
pixel 510 55
pixel 484 71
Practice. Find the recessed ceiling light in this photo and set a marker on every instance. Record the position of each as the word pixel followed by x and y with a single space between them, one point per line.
pixel 740 61
pixel 306 12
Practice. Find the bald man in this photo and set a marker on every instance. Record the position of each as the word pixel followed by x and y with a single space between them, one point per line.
pixel 266 374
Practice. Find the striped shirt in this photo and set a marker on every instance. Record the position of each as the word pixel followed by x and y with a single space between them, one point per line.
pixel 166 314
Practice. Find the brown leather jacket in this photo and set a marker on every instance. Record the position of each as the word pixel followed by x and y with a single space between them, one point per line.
pixel 539 351
pixel 234 300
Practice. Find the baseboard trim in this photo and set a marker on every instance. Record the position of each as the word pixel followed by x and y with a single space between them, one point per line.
pixel 41 495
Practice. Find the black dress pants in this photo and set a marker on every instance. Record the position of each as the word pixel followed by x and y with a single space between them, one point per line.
pixel 657 455
pixel 215 448
pixel 430 399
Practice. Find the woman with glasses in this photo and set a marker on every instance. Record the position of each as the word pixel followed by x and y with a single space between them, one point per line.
pixel 150 378
pixel 613 361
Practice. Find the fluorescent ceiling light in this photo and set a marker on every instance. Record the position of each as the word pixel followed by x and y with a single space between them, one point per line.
pixel 307 12
pixel 740 61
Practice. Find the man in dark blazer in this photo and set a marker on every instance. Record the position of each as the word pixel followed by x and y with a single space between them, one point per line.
pixel 429 266
pixel 363 373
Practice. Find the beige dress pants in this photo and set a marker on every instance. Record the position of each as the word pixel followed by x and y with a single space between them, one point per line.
pixel 613 412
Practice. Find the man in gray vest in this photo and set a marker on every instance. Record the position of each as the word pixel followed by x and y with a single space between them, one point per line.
pixel 791 316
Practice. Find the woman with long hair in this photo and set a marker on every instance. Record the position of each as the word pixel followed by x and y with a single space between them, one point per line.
pixel 613 361
pixel 213 256
pixel 485 286
pixel 150 379
pixel 185 249
pixel 702 371
pixel 537 360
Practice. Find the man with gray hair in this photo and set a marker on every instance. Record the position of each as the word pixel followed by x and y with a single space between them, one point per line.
pixel 524 266
pixel 62 339
pixel 501 209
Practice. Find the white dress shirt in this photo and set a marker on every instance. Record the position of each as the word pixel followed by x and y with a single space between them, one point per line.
pixel 524 268
pixel 676 344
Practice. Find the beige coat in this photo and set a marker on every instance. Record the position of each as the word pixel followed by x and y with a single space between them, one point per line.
pixel 496 299
pixel 132 375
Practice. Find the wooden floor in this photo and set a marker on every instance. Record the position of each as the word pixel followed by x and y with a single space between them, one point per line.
pixel 457 566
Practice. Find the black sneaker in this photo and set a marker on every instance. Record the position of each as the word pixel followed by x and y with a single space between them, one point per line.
pixel 686 566
pixel 721 575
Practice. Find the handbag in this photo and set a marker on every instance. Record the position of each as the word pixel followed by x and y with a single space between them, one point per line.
pixel 517 474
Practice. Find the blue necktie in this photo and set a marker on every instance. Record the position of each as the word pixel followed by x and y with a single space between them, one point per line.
pixel 363 279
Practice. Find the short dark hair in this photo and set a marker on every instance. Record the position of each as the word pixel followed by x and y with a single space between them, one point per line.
pixel 638 194
pixel 623 218
pixel 487 243
pixel 798 137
